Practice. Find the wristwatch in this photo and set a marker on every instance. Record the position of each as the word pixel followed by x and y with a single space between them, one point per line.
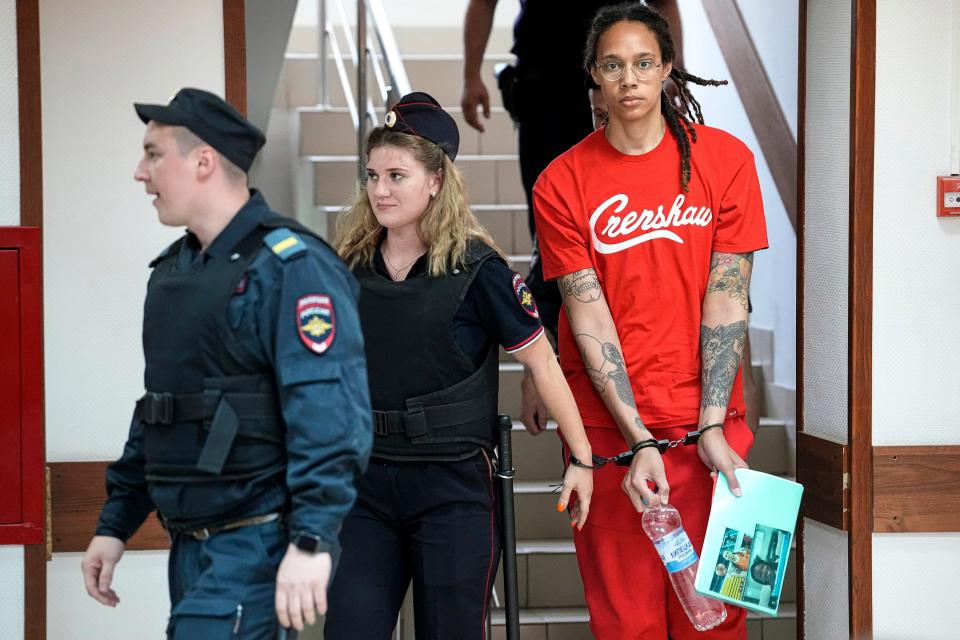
pixel 309 543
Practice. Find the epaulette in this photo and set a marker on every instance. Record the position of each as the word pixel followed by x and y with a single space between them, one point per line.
pixel 478 251
pixel 166 252
pixel 285 243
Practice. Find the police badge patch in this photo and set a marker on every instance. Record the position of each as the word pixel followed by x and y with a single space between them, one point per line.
pixel 524 297
pixel 316 322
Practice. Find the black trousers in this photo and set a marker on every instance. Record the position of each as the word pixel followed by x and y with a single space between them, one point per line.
pixel 435 523
pixel 554 115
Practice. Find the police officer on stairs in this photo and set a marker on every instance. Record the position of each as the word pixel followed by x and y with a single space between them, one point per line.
pixel 438 301
pixel 256 421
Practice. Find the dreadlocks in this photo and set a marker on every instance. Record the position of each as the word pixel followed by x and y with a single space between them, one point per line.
pixel 680 116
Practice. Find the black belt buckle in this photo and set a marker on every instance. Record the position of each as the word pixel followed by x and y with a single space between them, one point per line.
pixel 157 408
pixel 380 423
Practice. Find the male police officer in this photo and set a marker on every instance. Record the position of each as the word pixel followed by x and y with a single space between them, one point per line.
pixel 256 419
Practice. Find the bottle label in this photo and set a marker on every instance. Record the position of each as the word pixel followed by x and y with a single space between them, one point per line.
pixel 676 551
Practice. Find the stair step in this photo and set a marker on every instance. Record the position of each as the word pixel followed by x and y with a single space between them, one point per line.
pixel 441 76
pixel 759 627
pixel 545 547
pixel 518 425
pixel 544 615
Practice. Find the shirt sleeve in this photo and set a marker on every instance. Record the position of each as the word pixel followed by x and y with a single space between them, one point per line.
pixel 313 335
pixel 128 502
pixel 741 225
pixel 563 246
pixel 505 306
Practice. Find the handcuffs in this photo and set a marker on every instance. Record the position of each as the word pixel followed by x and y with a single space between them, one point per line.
pixel 624 459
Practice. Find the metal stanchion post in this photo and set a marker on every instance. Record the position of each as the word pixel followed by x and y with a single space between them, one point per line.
pixel 505 474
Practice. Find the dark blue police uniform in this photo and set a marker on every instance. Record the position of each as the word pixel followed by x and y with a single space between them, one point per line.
pixel 427 511
pixel 256 421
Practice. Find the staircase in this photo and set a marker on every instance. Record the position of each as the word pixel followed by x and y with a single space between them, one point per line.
pixel 550 590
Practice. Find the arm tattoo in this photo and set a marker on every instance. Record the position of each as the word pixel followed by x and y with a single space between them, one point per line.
pixel 582 285
pixel 605 366
pixel 730 272
pixel 720 351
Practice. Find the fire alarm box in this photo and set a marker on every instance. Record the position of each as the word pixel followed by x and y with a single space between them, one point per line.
pixel 21 388
pixel 948 196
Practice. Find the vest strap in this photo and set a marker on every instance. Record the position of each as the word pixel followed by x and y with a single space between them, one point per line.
pixel 258 410
pixel 417 420
pixel 223 431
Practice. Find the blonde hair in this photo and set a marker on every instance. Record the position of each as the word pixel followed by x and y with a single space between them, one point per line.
pixel 446 226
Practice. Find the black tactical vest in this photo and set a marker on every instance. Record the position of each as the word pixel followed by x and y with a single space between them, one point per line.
pixel 430 401
pixel 210 413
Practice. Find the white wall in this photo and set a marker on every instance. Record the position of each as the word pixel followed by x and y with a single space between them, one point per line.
pixel 100 231
pixel 916 291
pixel 11 557
pixel 11 593
pixel 9 117
pixel 916 299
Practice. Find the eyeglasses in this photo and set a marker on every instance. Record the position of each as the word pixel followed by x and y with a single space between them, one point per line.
pixel 613 70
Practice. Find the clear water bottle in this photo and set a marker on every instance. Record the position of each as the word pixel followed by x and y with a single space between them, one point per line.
pixel 662 523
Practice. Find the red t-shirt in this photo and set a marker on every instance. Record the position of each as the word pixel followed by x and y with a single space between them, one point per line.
pixel 650 244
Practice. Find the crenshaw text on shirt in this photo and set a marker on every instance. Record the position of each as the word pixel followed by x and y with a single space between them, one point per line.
pixel 654 224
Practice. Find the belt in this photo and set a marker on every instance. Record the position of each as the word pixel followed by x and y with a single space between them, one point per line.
pixel 169 408
pixel 414 421
pixel 206 532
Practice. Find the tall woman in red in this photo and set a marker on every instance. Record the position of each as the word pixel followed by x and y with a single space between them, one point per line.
pixel 649 225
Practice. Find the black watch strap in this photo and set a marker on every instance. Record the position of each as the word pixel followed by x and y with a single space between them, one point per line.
pixel 310 543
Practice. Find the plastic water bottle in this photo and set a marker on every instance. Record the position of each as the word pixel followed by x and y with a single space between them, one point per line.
pixel 662 523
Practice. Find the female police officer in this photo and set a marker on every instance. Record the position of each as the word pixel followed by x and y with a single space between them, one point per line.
pixel 436 298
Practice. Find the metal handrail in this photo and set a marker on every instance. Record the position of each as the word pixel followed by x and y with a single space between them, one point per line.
pixel 374 48
pixel 396 72
pixel 399 84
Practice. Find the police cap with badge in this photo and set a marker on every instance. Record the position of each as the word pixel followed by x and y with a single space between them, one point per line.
pixel 419 114
pixel 212 120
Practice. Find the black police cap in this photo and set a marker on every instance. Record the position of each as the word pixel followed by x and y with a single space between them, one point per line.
pixel 420 114
pixel 213 120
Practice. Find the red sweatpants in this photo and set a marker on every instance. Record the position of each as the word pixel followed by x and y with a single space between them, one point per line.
pixel 627 588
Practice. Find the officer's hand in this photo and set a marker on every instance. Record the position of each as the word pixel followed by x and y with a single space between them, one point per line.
pixel 580 480
pixel 98 564
pixel 716 453
pixel 475 95
pixel 646 468
pixel 302 587
pixel 533 413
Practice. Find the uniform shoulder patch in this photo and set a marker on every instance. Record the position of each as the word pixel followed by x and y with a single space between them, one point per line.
pixel 316 322
pixel 524 296
pixel 285 243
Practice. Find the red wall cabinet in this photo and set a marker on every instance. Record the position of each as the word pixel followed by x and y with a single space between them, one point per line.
pixel 21 387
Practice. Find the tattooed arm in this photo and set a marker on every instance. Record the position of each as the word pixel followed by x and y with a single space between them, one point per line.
pixel 723 331
pixel 599 346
